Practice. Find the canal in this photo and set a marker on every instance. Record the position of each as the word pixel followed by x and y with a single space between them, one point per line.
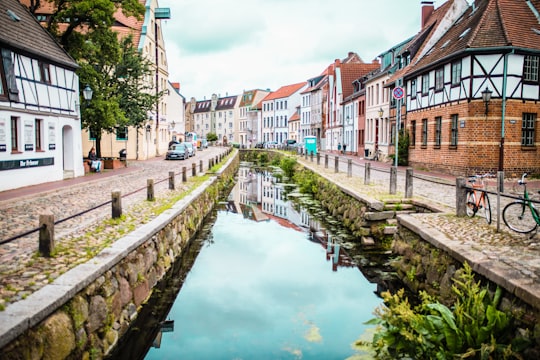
pixel 265 279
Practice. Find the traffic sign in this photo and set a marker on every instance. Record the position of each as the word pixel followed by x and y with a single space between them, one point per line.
pixel 398 93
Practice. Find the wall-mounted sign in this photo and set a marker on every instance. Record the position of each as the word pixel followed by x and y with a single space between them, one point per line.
pixel 3 140
pixel 52 137
pixel 28 136
pixel 25 163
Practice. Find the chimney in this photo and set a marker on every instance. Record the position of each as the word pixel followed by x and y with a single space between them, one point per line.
pixel 427 10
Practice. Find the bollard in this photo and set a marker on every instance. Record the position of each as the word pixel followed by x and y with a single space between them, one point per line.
pixel 46 234
pixel 193 169
pixel 150 190
pixel 336 164
pixel 200 166
pixel 184 174
pixel 318 158
pixel 349 167
pixel 409 183
pixel 116 204
pixel 393 179
pixel 305 155
pixel 217 161
pixel 461 196
pixel 209 164
pixel 367 174
pixel 326 161
pixel 311 156
pixel 171 180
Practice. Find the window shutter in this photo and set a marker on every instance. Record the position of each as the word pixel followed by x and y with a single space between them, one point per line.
pixel 9 70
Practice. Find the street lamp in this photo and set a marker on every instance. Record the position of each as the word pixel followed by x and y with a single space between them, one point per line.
pixel 486 96
pixel 87 93
pixel 381 112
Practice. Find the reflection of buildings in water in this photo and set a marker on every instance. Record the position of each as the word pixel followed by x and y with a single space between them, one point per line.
pixel 334 251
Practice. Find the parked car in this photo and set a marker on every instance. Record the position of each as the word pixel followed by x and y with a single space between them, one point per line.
pixel 191 149
pixel 271 144
pixel 177 151
pixel 259 145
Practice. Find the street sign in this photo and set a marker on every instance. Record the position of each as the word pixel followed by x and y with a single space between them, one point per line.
pixel 398 93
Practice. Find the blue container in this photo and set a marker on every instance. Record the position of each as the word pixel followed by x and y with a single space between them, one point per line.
pixel 311 144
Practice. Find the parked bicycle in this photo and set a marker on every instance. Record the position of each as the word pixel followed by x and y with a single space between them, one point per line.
pixel 521 215
pixel 477 198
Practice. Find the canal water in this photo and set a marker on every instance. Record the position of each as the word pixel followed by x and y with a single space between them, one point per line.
pixel 264 280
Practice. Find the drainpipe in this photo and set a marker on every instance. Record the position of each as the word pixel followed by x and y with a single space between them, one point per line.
pixel 503 115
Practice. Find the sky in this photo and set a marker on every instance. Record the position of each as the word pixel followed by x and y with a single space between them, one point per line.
pixel 226 47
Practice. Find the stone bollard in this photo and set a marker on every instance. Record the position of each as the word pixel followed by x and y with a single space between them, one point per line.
pixel 367 174
pixel 184 174
pixel 393 180
pixel 336 164
pixel 349 167
pixel 46 234
pixel 116 204
pixel 409 183
pixel 461 196
pixel 200 166
pixel 326 161
pixel 193 169
pixel 150 190
pixel 318 158
pixel 171 180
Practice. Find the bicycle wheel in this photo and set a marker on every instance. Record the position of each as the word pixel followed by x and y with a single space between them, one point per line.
pixel 471 204
pixel 518 217
pixel 487 208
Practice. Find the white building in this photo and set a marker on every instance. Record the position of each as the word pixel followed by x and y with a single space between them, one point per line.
pixel 40 128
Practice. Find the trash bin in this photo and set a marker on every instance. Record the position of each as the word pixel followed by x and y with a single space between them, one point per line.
pixel 122 154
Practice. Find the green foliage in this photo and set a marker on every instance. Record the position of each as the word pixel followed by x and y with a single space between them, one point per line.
pixel 211 136
pixel 307 182
pixel 403 148
pixel 287 164
pixel 473 328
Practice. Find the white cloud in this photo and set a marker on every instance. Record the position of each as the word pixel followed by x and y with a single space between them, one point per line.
pixel 225 47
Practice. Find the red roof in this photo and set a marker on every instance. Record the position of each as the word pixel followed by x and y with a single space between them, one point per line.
pixel 352 71
pixel 284 91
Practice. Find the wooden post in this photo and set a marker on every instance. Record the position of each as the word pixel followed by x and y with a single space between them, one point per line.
pixel 349 167
pixel 171 180
pixel 200 166
pixel 367 174
pixel 116 204
pixel 150 190
pixel 209 164
pixel 46 234
pixel 393 179
pixel 409 183
pixel 311 156
pixel 184 174
pixel 318 158
pixel 336 164
pixel 193 169
pixel 326 161
pixel 461 196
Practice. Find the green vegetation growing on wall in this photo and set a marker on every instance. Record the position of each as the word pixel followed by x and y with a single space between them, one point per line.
pixel 473 328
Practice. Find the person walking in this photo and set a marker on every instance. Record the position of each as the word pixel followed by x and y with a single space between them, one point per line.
pixel 339 147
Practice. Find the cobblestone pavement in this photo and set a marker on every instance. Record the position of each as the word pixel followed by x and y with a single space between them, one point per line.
pixel 21 271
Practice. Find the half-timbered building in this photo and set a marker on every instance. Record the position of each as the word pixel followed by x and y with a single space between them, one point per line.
pixel 472 93
pixel 40 128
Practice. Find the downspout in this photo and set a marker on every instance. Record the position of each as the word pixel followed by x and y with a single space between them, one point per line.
pixel 503 115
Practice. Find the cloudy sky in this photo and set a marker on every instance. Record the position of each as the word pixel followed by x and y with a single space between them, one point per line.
pixel 225 47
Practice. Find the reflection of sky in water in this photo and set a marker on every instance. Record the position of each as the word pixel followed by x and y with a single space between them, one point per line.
pixel 263 291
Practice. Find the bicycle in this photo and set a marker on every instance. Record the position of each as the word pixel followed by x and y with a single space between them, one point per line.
pixel 477 199
pixel 522 216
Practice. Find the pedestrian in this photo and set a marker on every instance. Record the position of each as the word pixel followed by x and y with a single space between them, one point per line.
pixel 339 147
pixel 95 163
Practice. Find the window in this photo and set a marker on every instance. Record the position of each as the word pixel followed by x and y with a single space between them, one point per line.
pixel 456 73
pixel 413 133
pixel 527 129
pixel 14 134
pixel 3 91
pixel 413 89
pixel 45 72
pixel 37 134
pixel 122 133
pixel 439 79
pixel 454 130
pixel 438 127
pixel 424 132
pixel 425 84
pixel 530 68
pixel 9 83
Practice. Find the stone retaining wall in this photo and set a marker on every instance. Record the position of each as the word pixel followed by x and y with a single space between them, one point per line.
pixel 84 312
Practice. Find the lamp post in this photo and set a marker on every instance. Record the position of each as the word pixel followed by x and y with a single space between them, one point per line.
pixel 87 93
pixel 379 120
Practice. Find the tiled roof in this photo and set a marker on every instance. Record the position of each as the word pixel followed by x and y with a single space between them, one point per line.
pixel 226 102
pixel 27 36
pixel 284 91
pixel 295 116
pixel 202 106
pixel 125 26
pixel 352 71
pixel 490 24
